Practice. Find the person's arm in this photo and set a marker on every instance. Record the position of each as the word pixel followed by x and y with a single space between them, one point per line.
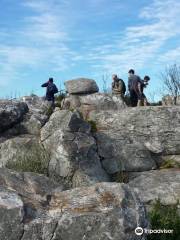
pixel 44 84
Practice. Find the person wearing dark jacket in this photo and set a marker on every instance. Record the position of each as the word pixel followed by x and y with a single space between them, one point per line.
pixel 144 84
pixel 134 86
pixel 51 89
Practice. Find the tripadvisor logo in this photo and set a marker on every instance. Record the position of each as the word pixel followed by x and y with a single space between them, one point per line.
pixel 139 231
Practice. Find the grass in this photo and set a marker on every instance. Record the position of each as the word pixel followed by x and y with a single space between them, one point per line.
pixel 59 98
pixel 35 159
pixel 165 217
pixel 49 111
pixel 121 177
pixel 93 125
pixel 170 163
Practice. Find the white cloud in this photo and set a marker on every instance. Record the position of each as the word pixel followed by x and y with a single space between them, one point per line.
pixel 141 44
pixel 42 42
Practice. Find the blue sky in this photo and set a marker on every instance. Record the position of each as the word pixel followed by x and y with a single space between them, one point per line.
pixel 67 39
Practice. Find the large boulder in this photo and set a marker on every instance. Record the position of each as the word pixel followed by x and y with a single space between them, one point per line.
pixel 81 86
pixel 163 185
pixel 33 207
pixel 32 187
pixel 134 139
pixel 102 211
pixel 73 151
pixel 11 113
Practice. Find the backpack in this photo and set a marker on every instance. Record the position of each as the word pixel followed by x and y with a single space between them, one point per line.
pixel 123 86
pixel 52 89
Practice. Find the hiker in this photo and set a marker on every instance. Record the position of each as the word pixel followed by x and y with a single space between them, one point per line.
pixel 144 84
pixel 135 90
pixel 51 89
pixel 118 86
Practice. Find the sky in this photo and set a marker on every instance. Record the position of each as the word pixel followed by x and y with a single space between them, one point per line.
pixel 67 39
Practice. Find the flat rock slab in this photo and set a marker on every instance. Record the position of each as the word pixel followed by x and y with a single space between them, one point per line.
pixel 159 184
pixel 134 139
pixel 81 86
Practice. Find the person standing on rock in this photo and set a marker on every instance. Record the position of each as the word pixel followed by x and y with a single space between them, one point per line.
pixel 118 86
pixel 134 87
pixel 144 84
pixel 51 89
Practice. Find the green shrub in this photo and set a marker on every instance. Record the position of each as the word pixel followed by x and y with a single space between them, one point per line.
pixel 33 160
pixel 164 217
pixel 93 125
pixel 121 177
pixel 156 103
pixel 49 111
pixel 59 98
pixel 170 163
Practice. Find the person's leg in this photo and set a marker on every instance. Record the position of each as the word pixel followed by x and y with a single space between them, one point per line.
pixel 132 98
pixel 139 104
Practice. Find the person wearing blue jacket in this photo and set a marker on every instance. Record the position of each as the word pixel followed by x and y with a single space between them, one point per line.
pixel 51 89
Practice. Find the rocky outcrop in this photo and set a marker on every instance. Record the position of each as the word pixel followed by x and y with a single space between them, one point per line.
pixel 136 138
pixel 160 184
pixel 83 95
pixel 35 208
pixel 81 86
pixel 86 103
pixel 73 151
pixel 82 158
pixel 11 113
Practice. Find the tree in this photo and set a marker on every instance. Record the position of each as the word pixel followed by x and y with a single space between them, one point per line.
pixel 171 81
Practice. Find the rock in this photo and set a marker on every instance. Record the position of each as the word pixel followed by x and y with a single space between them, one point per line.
pixel 102 211
pixel 28 184
pixel 31 187
pixel 11 113
pixel 74 159
pixel 81 86
pixel 134 139
pixel 153 185
pixel 86 103
pixel 24 153
pixel 12 213
pixel 37 208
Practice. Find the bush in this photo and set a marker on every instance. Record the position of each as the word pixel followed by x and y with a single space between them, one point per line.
pixel 164 217
pixel 93 125
pixel 59 98
pixel 156 103
pixel 49 111
pixel 121 177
